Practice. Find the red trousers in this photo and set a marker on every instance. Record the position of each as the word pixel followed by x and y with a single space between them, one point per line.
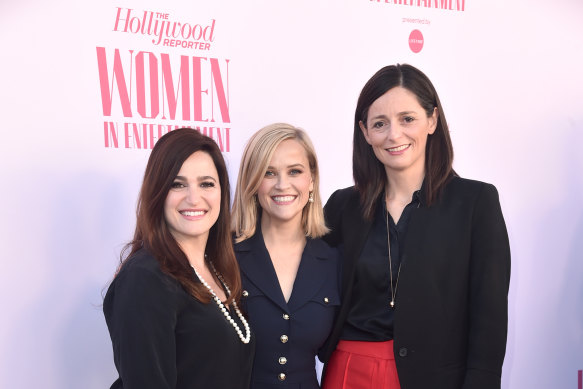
pixel 362 365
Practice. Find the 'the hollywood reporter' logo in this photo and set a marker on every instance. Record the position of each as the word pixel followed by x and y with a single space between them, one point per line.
pixel 164 31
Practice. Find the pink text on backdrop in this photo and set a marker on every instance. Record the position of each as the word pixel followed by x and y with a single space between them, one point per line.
pixel 446 5
pixel 145 135
pixel 163 85
pixel 157 24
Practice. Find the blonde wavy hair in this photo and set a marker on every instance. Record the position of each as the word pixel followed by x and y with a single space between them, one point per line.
pixel 254 162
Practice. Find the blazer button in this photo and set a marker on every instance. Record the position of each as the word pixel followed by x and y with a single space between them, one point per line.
pixel 283 338
pixel 281 376
pixel 403 352
pixel 326 300
pixel 282 360
pixel 245 293
pixel 285 316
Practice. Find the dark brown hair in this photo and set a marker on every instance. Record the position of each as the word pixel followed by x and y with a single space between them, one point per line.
pixel 369 174
pixel 152 231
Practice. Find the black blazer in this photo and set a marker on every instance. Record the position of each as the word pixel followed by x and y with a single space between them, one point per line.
pixel 305 320
pixel 451 313
pixel 163 338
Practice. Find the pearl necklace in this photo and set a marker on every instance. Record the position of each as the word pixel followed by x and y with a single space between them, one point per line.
pixel 245 339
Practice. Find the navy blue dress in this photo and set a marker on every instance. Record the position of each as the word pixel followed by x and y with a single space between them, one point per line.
pixel 289 335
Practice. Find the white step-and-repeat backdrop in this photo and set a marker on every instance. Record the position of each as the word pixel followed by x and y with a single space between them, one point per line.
pixel 86 89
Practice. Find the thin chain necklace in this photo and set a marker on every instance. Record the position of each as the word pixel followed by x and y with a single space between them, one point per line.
pixel 244 338
pixel 393 289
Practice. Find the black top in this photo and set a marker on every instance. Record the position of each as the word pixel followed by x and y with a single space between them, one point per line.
pixel 370 317
pixel 163 338
pixel 450 318
pixel 289 334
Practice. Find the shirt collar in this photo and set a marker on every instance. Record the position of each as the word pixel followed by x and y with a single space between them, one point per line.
pixel 418 196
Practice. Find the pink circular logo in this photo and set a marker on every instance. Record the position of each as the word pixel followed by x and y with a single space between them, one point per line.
pixel 415 41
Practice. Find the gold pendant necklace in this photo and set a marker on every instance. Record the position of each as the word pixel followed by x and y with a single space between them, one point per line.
pixel 393 289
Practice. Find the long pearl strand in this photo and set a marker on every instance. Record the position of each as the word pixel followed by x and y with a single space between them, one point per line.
pixel 245 339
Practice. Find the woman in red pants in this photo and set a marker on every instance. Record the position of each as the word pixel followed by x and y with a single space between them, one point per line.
pixel 426 265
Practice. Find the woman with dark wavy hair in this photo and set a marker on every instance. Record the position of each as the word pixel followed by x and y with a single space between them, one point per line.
pixel 426 255
pixel 172 309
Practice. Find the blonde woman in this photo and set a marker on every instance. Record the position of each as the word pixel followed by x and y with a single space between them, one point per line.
pixel 289 275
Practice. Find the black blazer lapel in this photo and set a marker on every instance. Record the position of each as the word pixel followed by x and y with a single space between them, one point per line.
pixel 354 238
pixel 256 265
pixel 313 272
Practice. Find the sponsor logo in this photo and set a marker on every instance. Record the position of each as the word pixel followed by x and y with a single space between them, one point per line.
pixel 415 41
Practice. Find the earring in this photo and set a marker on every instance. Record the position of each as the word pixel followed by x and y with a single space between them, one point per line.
pixel 311 197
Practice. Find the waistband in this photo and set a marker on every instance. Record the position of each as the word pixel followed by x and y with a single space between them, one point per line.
pixel 382 350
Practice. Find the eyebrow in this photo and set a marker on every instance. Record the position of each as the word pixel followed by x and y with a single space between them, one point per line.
pixel 398 113
pixel 200 178
pixel 287 167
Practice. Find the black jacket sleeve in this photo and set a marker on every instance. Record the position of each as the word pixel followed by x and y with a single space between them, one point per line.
pixel 141 314
pixel 488 302
pixel 333 215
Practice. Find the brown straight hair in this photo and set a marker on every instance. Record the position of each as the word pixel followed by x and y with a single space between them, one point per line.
pixel 152 231
pixel 369 174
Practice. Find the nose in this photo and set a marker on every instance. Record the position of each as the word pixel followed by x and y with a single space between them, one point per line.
pixel 393 132
pixel 192 195
pixel 282 182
